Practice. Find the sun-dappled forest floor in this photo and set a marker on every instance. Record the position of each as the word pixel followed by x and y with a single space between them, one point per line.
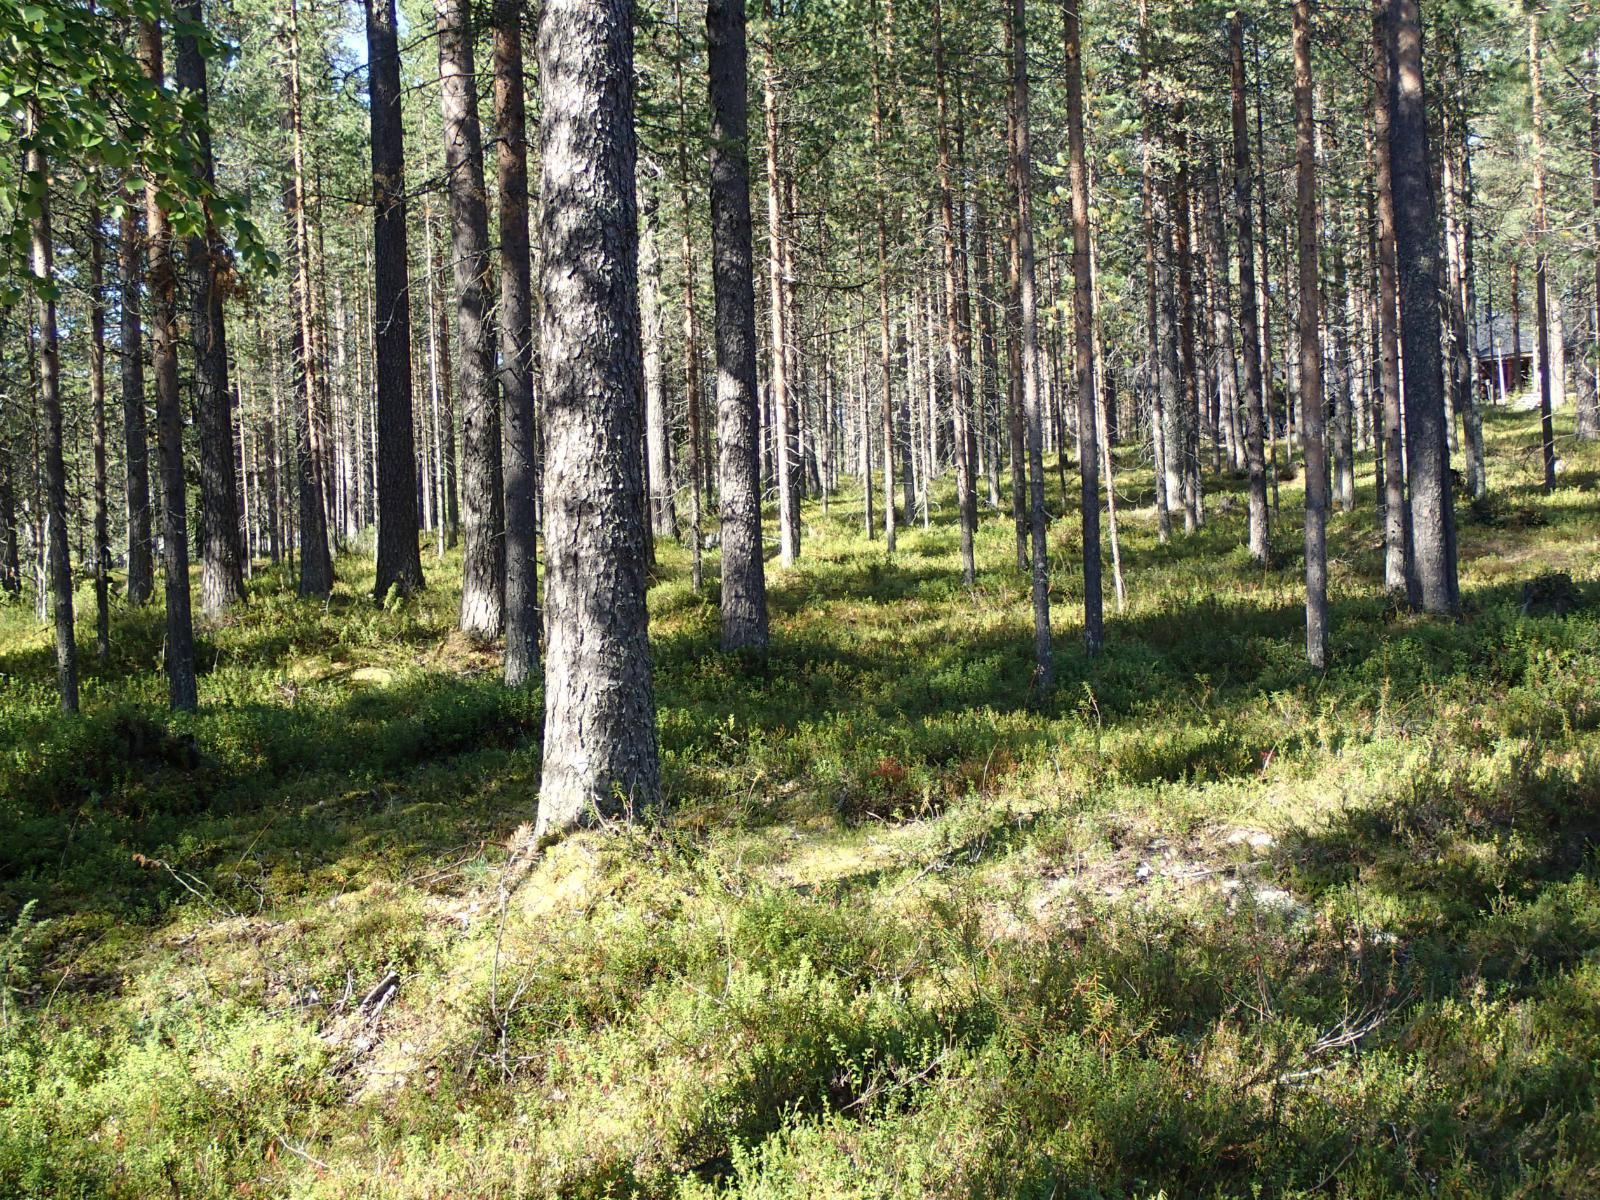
pixel 1201 923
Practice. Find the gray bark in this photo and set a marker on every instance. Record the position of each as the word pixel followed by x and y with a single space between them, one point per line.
pixel 483 563
pixel 657 430
pixel 1417 250
pixel 744 591
pixel 221 552
pixel 600 755
pixel 516 350
pixel 1399 572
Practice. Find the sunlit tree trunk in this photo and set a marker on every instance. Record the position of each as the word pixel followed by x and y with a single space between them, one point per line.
pixel 744 593
pixel 600 755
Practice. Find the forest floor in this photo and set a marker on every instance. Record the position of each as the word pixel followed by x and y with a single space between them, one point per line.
pixel 1201 923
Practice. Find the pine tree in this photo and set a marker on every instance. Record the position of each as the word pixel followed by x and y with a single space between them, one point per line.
pixel 600 755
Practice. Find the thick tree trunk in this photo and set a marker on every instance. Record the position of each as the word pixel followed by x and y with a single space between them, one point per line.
pixel 483 564
pixel 399 565
pixel 135 430
pixel 181 687
pixel 516 350
pixel 1083 334
pixel 600 755
pixel 59 568
pixel 221 555
pixel 1311 402
pixel 744 591
pixel 1417 250
pixel 1022 165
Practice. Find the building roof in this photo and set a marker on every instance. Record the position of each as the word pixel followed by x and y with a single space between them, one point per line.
pixel 1494 340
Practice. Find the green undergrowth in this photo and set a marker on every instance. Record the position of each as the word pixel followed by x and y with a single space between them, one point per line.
pixel 1198 923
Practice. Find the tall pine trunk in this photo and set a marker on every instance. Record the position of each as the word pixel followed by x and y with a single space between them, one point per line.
pixel 181 688
pixel 58 566
pixel 97 417
pixel 221 552
pixel 316 563
pixel 135 427
pixel 1083 333
pixel 600 755
pixel 483 564
pixel 516 349
pixel 1541 231
pixel 1017 450
pixel 957 350
pixel 785 439
pixel 696 456
pixel 1028 317
pixel 399 566
pixel 1399 570
pixel 744 589
pixel 885 376
pixel 1417 255
pixel 657 428
pixel 1312 417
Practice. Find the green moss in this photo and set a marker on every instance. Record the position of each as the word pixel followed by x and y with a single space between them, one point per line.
pixel 1201 923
